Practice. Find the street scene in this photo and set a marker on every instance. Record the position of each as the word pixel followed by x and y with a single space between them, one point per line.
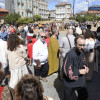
pixel 49 50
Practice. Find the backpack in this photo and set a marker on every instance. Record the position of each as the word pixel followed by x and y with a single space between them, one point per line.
pixel 7 93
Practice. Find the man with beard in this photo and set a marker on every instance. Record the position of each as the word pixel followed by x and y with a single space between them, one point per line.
pixel 74 69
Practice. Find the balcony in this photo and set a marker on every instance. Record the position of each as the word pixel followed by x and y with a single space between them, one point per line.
pixel 28 10
pixel 18 2
pixel 22 3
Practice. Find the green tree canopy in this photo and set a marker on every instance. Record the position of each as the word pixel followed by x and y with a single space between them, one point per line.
pixel 79 18
pixel 87 17
pixel 25 20
pixel 37 17
pixel 11 18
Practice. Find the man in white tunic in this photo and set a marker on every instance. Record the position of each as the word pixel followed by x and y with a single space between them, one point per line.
pixel 40 55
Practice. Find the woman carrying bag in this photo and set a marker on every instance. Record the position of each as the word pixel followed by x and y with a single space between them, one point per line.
pixel 16 55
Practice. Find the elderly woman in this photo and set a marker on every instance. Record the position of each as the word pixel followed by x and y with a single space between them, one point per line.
pixel 16 55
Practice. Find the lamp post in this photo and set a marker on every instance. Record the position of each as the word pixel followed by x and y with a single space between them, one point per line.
pixel 88 4
pixel 73 8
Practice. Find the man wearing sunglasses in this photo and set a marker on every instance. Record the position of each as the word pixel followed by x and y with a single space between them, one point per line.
pixel 40 55
pixel 74 69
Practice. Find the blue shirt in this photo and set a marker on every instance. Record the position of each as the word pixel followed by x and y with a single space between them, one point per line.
pixel 4 36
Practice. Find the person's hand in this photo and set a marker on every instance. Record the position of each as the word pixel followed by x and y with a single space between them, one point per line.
pixel 87 69
pixel 38 66
pixel 83 71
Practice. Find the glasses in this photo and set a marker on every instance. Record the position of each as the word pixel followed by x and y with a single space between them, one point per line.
pixel 81 45
pixel 43 36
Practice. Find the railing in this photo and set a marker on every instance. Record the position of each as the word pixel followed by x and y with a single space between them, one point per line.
pixel 28 10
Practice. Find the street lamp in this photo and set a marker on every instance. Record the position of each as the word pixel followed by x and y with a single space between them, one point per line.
pixel 73 8
pixel 88 4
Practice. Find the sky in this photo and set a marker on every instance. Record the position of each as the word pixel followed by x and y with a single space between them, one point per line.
pixel 80 5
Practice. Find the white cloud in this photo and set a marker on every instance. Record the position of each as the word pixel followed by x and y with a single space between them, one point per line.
pixel 81 6
pixel 90 1
pixel 50 1
pixel 2 5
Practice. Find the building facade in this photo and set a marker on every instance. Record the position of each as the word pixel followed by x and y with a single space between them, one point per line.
pixel 43 9
pixel 94 8
pixel 28 8
pixel 97 13
pixel 9 5
pixel 63 11
pixel 52 14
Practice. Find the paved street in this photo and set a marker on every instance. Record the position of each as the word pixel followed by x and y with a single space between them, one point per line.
pixel 54 87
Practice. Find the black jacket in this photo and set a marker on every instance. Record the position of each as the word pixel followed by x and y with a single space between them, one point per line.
pixel 73 61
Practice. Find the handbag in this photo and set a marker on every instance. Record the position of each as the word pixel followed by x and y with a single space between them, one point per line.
pixel 8 93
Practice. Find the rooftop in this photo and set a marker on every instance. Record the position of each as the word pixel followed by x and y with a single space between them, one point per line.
pixel 3 10
pixel 63 4
pixel 95 6
pixel 91 12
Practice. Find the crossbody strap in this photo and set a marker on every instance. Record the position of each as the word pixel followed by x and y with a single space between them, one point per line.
pixel 69 42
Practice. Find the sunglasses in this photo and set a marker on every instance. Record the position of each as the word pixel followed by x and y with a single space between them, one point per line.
pixel 81 45
pixel 43 36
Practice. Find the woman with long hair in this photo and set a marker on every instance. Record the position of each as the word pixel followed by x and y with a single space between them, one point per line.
pixel 16 55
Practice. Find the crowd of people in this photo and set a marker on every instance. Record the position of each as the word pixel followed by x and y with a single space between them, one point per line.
pixel 75 58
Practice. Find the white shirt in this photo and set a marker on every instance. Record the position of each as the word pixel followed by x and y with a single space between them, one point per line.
pixel 89 45
pixel 64 44
pixel 3 49
pixel 78 30
pixel 40 51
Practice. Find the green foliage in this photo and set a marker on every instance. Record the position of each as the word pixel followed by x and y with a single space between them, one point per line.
pixel 70 18
pixel 25 20
pixel 11 18
pixel 37 17
pixel 98 18
pixel 87 17
pixel 79 18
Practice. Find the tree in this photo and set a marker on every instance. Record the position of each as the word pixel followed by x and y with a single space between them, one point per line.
pixel 79 18
pixel 37 17
pixel 70 18
pixel 25 20
pixel 11 18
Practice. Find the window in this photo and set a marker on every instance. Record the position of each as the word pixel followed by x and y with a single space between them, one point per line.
pixel 22 6
pixel 17 5
pixel 22 14
pixel 30 1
